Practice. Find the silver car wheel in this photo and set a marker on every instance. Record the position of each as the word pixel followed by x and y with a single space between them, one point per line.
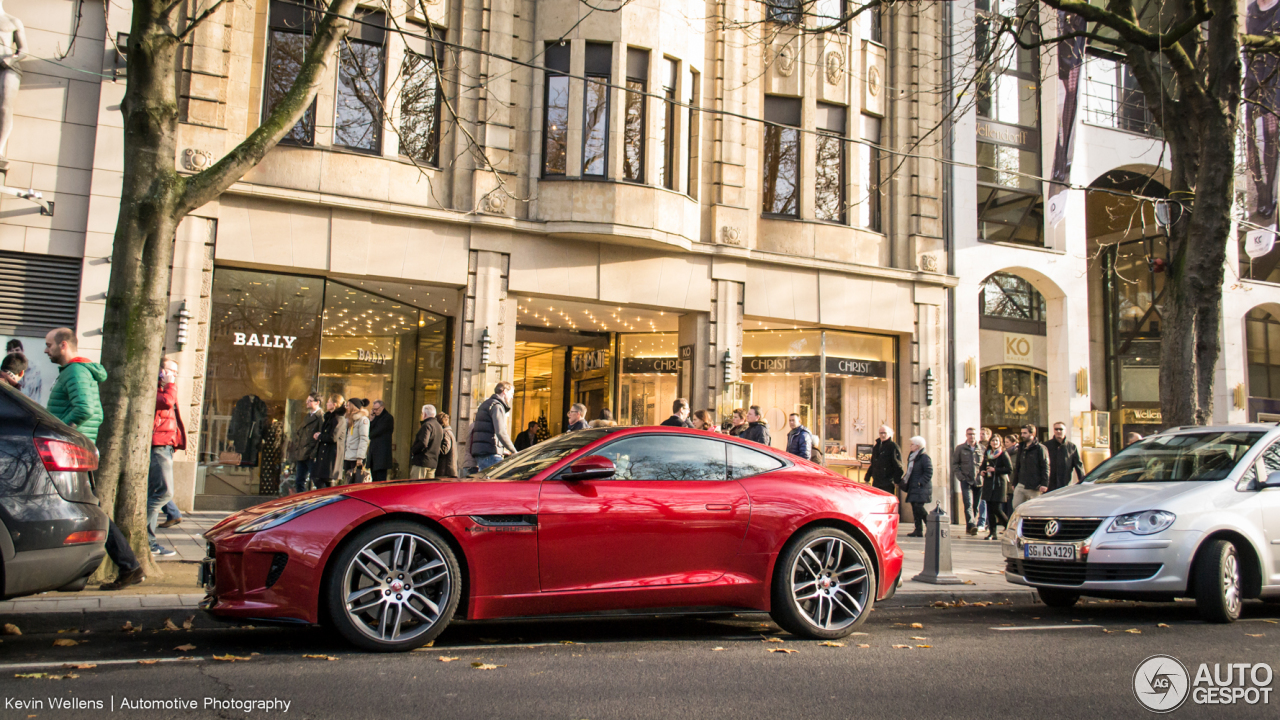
pixel 829 583
pixel 1231 582
pixel 396 587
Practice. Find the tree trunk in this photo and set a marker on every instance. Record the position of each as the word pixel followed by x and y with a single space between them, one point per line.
pixel 138 293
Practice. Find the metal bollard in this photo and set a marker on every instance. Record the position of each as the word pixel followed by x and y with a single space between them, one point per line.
pixel 937 550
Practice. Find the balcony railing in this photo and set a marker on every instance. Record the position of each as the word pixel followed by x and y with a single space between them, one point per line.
pixel 1112 98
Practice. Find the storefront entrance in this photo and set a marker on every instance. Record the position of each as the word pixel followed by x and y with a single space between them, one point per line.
pixel 276 338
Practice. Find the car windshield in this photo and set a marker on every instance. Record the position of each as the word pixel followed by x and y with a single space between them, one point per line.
pixel 531 461
pixel 1175 458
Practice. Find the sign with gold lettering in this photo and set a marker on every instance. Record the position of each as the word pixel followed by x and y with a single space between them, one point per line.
pixel 1001 134
pixel 1017 349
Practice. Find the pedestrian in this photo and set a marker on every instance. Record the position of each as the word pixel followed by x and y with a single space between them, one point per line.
pixel 382 427
pixel 605 420
pixel 738 422
pixel 757 427
pixel 885 469
pixel 1065 466
pixel 447 466
pixel 577 418
pixel 424 455
pixel 679 415
pixel 1132 438
pixel 32 384
pixel 966 459
pixel 1010 446
pixel 332 438
pixel 995 471
pixel 528 437
pixel 799 439
pixel 489 441
pixel 302 449
pixel 705 420
pixel 984 438
pixel 918 483
pixel 357 448
pixel 13 368
pixel 1033 468
pixel 167 434
pixel 74 400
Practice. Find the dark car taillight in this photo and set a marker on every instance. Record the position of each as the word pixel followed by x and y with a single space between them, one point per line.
pixel 69 465
pixel 85 536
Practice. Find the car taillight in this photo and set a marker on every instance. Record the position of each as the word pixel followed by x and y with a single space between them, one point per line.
pixel 62 456
pixel 86 536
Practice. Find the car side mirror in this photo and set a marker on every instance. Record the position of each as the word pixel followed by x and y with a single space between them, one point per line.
pixel 591 467
pixel 1272 481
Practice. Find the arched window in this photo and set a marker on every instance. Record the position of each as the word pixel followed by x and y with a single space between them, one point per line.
pixel 1262 336
pixel 1008 302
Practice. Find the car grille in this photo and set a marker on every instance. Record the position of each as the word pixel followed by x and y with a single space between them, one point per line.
pixel 1069 529
pixel 1048 572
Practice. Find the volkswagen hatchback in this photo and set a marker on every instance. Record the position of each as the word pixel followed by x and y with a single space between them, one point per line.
pixel 1190 512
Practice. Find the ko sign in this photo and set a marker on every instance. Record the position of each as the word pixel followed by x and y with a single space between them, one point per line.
pixel 1017 349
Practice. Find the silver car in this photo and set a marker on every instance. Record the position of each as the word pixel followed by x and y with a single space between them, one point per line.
pixel 1190 512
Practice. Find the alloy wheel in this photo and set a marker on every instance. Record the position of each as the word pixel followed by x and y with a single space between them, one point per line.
pixel 1231 583
pixel 829 583
pixel 396 587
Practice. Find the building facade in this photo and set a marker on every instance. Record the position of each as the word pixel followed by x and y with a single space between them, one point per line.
pixel 675 199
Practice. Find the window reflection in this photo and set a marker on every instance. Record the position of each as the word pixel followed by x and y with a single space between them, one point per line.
pixel 284 62
pixel 667 457
pixel 420 109
pixel 633 133
pixel 829 184
pixel 781 170
pixel 358 106
pixel 556 136
pixel 595 126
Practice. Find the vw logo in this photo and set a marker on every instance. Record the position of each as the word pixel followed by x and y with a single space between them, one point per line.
pixel 1051 528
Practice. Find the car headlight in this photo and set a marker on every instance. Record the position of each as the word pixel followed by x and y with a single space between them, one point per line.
pixel 280 516
pixel 1146 522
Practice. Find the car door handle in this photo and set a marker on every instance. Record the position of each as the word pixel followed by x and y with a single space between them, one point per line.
pixel 719 508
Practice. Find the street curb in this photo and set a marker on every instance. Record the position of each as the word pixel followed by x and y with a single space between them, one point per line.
pixel 103 621
pixel 1020 596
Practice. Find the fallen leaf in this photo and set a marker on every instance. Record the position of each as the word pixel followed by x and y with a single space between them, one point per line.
pixel 79 666
pixel 567 642
pixel 29 675
pixel 128 627
pixel 1035 618
pixel 186 624
pixel 917 626
pixel 489 640
pixel 148 662
pixel 783 650
pixel 67 631
pixel 446 659
pixel 1134 631
pixel 251 654
pixel 168 624
pixel 901 647
pixel 65 642
pixel 772 639
pixel 854 634
pixel 485 666
pixel 11 629
pixel 830 643
pixel 1106 631
pixel 1161 625
pixel 185 648
pixel 717 649
pixel 924 646
pixel 861 645
pixel 918 638
pixel 1273 622
pixel 229 658
pixel 1252 635
pixel 47 676
pixel 970 582
pixel 320 657
pixel 1075 620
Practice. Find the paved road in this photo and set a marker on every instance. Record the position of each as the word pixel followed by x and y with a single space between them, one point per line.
pixel 980 663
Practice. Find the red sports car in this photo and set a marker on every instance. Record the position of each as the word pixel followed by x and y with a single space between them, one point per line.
pixel 594 520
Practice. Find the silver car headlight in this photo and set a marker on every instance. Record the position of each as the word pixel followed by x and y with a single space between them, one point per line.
pixel 280 516
pixel 1147 522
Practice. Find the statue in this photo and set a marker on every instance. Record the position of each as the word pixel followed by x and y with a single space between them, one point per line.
pixel 13 46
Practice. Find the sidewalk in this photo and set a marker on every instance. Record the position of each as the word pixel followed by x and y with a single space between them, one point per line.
pixel 176 597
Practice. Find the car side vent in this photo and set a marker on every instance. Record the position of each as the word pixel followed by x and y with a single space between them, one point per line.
pixel 277 568
pixel 505 520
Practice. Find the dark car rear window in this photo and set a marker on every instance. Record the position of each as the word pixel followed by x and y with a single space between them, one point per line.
pixel 16 406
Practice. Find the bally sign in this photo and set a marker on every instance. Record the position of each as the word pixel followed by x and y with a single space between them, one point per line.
pixel 370 356
pixel 263 340
pixel 811 364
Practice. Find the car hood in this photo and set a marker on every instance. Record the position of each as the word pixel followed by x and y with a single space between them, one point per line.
pixel 1111 499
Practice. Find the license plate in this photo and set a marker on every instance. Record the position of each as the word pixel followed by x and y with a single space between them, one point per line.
pixel 206 574
pixel 1050 551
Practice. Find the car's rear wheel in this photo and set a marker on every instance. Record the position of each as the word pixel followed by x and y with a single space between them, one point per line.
pixel 393 587
pixel 1058 598
pixel 823 585
pixel 1218 582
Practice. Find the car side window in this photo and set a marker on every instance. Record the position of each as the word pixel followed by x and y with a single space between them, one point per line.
pixel 745 462
pixel 666 457
pixel 1267 464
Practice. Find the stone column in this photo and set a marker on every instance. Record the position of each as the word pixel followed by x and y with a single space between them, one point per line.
pixel 486 306
pixel 693 385
pixel 929 355
pixel 725 332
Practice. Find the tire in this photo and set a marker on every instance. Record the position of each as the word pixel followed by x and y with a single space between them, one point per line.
pixel 824 585
pixel 1217 582
pixel 413 608
pixel 1057 598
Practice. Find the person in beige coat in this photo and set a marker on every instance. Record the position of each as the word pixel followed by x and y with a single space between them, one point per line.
pixel 357 439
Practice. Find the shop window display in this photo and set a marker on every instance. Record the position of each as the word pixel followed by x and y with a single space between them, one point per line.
pixel 647 380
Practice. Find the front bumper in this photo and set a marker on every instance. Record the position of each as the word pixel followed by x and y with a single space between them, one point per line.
pixel 277 574
pixel 1114 564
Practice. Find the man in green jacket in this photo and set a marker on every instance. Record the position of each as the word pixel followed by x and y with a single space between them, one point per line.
pixel 74 397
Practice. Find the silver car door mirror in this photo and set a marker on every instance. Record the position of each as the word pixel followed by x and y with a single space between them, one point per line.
pixel 1273 481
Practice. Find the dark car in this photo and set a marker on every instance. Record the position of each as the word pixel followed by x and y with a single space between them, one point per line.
pixel 52 531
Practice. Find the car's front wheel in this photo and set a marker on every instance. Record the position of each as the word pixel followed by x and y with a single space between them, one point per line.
pixel 393 587
pixel 1218 582
pixel 823 585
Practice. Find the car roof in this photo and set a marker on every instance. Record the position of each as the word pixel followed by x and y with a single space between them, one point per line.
pixel 1271 428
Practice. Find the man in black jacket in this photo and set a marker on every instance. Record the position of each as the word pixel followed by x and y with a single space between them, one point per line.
pixel 382 427
pixel 679 414
pixel 757 429
pixel 886 462
pixel 1033 468
pixel 302 451
pixel 489 440
pixel 577 418
pixel 1064 459
pixel 528 438
pixel 424 455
